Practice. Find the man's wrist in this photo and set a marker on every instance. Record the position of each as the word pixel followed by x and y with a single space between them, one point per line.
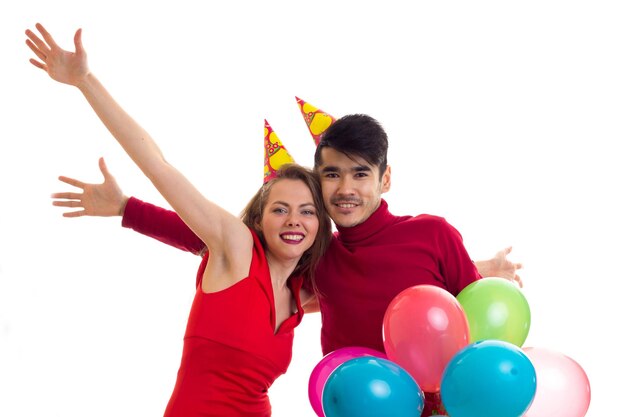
pixel 123 206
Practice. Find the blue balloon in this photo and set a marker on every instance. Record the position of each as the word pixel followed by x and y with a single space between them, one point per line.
pixel 371 387
pixel 489 378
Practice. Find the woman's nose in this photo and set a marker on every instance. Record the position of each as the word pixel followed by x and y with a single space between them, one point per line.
pixel 293 221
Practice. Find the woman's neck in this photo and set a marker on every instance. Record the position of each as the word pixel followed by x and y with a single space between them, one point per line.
pixel 280 270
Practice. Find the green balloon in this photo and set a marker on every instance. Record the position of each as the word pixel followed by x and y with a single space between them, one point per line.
pixel 495 309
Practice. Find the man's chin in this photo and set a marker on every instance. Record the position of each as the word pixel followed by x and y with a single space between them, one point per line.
pixel 346 221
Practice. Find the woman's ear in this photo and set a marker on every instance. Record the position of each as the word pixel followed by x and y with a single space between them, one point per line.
pixel 257 225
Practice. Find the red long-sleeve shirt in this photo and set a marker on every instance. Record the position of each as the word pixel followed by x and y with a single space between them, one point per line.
pixel 364 268
pixel 367 265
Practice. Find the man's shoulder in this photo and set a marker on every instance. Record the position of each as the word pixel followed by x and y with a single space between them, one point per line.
pixel 424 217
pixel 423 220
pixel 424 227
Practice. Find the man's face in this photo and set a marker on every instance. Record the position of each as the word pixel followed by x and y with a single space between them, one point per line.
pixel 351 187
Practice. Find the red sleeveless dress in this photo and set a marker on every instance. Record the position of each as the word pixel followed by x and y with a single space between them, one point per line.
pixel 231 353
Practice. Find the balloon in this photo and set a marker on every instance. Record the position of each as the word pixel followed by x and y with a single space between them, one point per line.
pixel 423 327
pixel 490 378
pixel 495 309
pixel 371 387
pixel 562 385
pixel 327 365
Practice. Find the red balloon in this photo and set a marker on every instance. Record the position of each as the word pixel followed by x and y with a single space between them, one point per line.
pixel 423 328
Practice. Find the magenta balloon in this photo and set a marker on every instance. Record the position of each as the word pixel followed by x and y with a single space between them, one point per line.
pixel 562 385
pixel 327 365
pixel 423 328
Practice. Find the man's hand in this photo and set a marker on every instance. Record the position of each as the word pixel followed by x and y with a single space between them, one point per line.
pixel 500 266
pixel 103 200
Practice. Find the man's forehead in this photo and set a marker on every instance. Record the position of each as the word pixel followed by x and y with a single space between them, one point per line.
pixel 332 160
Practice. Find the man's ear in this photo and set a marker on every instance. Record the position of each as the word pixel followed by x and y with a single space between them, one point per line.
pixel 385 181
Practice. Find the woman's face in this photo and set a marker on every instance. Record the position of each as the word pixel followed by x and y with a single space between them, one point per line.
pixel 289 224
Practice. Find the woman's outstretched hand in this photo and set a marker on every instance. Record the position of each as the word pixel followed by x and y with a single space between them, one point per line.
pixel 61 65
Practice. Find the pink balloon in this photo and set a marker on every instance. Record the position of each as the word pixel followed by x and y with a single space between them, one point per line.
pixel 562 385
pixel 327 365
pixel 423 328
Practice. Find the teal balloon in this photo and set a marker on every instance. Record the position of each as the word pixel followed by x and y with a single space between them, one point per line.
pixel 495 309
pixel 490 378
pixel 371 387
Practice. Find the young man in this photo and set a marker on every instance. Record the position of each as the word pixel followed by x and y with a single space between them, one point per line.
pixel 373 256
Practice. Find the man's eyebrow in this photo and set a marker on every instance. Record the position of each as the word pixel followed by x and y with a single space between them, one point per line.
pixel 358 168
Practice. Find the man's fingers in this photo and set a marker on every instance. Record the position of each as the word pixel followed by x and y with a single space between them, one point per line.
pixel 68 196
pixel 78 213
pixel 504 252
pixel 69 203
pixel 514 280
pixel 103 168
pixel 72 181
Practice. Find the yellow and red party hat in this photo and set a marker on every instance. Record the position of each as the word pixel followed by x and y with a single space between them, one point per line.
pixel 316 120
pixel 275 153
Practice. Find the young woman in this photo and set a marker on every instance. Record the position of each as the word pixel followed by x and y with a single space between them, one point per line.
pixel 240 330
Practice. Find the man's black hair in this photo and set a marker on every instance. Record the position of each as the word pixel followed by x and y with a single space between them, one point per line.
pixel 356 135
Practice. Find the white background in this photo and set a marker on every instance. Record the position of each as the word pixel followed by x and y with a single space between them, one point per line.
pixel 505 118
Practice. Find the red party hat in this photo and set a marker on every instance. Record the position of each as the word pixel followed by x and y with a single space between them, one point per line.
pixel 275 153
pixel 316 120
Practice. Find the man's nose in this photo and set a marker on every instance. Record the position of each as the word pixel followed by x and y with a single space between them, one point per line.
pixel 346 186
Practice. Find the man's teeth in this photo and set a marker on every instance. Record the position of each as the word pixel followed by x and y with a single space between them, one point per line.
pixel 346 205
pixel 293 237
